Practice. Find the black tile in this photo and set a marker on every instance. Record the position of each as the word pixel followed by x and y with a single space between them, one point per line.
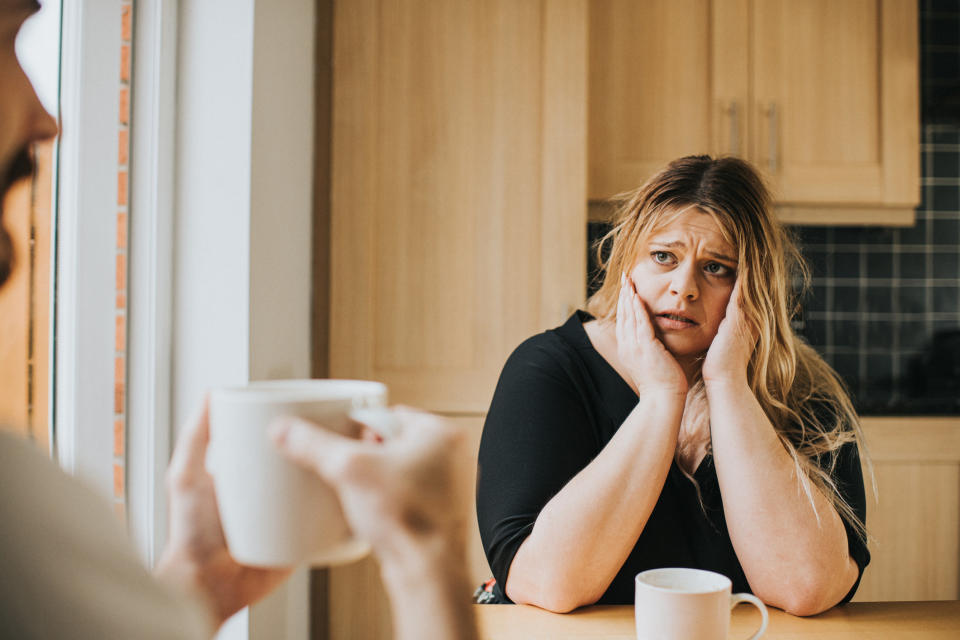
pixel 880 366
pixel 848 366
pixel 879 265
pixel 846 265
pixel 811 235
pixel 945 164
pixel 879 334
pixel 946 264
pixel 946 299
pixel 913 265
pixel 946 231
pixel 817 262
pixel 876 236
pixel 912 334
pixel 943 135
pixel 880 299
pixel 912 299
pixel 938 6
pixel 846 299
pixel 945 198
pixel 941 31
pixel 942 64
pixel 847 333
pixel 848 235
pixel 815 331
pixel 917 234
pixel 815 300
pixel 945 326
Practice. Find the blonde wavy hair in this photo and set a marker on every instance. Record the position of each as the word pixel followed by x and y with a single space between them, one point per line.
pixel 803 397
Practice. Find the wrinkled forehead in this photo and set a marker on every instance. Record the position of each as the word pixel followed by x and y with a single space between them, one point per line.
pixel 662 219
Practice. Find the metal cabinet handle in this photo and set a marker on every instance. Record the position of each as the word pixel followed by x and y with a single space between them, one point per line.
pixel 772 137
pixel 734 112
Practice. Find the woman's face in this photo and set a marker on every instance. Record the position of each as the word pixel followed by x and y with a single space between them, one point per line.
pixel 685 274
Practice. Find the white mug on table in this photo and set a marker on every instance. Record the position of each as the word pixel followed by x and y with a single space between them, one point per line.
pixel 682 604
pixel 274 512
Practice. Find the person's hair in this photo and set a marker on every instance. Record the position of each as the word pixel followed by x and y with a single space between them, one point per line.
pixel 803 397
pixel 21 166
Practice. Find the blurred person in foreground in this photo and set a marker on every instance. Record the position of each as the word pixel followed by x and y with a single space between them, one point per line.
pixel 66 569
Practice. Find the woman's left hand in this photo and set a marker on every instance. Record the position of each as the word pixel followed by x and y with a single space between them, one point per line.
pixel 731 349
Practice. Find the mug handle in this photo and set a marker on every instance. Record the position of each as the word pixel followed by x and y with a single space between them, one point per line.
pixel 737 598
pixel 382 420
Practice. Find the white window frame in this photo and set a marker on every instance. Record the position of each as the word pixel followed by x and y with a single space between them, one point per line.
pixel 85 241
pixel 220 177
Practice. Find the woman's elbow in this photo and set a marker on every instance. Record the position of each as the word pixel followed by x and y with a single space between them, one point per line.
pixel 551 598
pixel 801 598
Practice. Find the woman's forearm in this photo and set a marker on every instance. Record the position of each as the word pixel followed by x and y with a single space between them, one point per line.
pixel 791 559
pixel 583 535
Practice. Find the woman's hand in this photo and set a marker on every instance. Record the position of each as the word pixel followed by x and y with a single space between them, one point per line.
pixel 650 366
pixel 731 349
pixel 196 558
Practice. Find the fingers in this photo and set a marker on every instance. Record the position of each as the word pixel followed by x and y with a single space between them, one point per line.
pixel 313 447
pixel 636 325
pixel 189 455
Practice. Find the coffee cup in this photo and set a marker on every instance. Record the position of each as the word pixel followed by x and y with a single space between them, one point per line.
pixel 274 512
pixel 681 604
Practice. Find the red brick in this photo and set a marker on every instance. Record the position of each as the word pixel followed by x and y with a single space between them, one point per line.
pixel 126 23
pixel 121 272
pixel 124 147
pixel 121 230
pixel 125 64
pixel 118 480
pixel 121 333
pixel 118 437
pixel 119 386
pixel 124 100
pixel 122 188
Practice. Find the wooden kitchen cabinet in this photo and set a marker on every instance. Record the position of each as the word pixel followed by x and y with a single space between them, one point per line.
pixel 822 96
pixel 457 225
pixel 458 186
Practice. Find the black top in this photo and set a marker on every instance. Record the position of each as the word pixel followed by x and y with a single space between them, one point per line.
pixel 557 404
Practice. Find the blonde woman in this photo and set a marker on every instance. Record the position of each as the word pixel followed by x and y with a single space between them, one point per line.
pixel 680 422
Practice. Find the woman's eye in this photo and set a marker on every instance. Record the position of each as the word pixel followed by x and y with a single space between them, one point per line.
pixel 717 269
pixel 662 257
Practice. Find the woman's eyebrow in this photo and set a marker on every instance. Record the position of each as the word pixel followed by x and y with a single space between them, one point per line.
pixel 671 244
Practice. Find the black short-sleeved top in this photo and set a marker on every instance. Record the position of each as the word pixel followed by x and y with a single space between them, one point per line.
pixel 557 404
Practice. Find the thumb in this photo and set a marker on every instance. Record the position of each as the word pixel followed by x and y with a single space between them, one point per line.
pixel 312 446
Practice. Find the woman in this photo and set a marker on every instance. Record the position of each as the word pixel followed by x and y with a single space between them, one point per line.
pixel 680 422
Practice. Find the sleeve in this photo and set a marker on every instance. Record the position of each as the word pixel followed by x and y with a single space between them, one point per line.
pixel 536 437
pixel 848 477
pixel 67 569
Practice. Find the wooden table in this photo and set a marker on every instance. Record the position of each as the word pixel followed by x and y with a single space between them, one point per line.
pixel 866 620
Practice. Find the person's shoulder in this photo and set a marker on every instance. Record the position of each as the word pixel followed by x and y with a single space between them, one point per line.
pixel 549 349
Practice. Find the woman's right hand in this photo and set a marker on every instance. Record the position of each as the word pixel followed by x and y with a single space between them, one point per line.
pixel 652 369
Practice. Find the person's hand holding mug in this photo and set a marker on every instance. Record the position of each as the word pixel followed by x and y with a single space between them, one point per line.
pixel 196 558
pixel 406 495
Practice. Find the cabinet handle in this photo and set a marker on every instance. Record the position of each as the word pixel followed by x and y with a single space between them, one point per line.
pixel 734 113
pixel 772 135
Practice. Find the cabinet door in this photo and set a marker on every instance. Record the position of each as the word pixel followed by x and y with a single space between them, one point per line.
pixel 458 218
pixel 836 100
pixel 668 78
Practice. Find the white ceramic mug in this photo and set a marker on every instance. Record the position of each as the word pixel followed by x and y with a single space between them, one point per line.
pixel 274 512
pixel 683 604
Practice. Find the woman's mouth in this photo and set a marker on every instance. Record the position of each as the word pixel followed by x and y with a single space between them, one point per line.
pixel 674 321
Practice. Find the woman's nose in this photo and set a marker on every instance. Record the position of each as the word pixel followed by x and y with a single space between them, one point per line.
pixel 684 282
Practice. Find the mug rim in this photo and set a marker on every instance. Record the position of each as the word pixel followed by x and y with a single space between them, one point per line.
pixel 301 389
pixel 724 583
